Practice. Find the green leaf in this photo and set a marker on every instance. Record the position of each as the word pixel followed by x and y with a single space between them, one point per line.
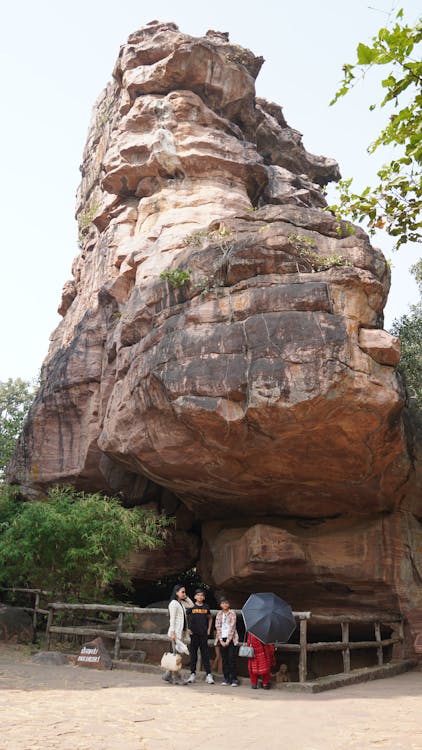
pixel 390 81
pixel 365 54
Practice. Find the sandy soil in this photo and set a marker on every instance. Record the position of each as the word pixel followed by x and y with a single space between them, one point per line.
pixel 73 708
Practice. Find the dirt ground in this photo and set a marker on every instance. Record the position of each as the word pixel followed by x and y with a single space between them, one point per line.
pixel 72 708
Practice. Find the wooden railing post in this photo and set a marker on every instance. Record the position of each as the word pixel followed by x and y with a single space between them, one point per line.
pixel 303 669
pixel 377 628
pixel 49 624
pixel 34 616
pixel 346 652
pixel 401 636
pixel 118 635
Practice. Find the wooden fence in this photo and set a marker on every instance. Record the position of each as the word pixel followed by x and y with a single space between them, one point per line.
pixel 36 609
pixel 395 623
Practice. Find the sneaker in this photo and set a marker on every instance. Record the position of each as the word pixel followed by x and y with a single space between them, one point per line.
pixel 235 683
pixel 191 679
pixel 166 676
pixel 178 681
pixel 225 683
pixel 209 679
pixel 266 687
pixel 254 687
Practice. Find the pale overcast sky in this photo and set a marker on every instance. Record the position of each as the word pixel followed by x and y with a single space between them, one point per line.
pixel 55 59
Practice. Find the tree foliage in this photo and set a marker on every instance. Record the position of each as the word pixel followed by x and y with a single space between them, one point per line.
pixel 15 399
pixel 409 328
pixel 73 544
pixel 394 202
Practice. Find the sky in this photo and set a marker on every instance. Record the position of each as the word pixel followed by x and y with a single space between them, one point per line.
pixel 56 57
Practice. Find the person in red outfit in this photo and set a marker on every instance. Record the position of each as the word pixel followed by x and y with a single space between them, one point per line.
pixel 261 663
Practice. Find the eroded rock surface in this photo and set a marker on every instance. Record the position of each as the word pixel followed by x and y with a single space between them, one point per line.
pixel 222 339
pixel 15 625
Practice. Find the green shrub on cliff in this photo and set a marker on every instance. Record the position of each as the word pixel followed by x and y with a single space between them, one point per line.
pixel 177 277
pixel 72 543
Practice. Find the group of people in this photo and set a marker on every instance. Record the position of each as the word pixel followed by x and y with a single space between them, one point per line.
pixel 195 619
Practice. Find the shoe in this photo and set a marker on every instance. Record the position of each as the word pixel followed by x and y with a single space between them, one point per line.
pixel 254 687
pixel 225 683
pixel 178 681
pixel 266 687
pixel 166 676
pixel 235 683
pixel 191 679
pixel 209 679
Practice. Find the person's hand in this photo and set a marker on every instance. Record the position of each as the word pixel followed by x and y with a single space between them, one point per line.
pixel 190 632
pixel 173 635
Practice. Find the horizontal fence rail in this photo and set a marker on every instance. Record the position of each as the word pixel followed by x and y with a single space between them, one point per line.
pixel 36 609
pixel 116 632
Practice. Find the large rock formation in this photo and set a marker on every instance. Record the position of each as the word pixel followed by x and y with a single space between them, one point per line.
pixel 220 354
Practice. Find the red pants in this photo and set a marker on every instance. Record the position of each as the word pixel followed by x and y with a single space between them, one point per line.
pixel 265 678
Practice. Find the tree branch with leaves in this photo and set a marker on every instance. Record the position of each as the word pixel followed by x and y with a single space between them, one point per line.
pixel 394 203
pixel 16 397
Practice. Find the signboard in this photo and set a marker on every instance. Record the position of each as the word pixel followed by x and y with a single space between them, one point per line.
pixel 95 655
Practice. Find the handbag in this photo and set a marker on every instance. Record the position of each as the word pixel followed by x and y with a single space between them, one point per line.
pixel 247 651
pixel 171 661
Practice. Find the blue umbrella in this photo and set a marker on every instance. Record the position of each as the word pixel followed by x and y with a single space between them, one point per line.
pixel 269 618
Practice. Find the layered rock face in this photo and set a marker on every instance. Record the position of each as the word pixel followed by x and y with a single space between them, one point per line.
pixel 220 354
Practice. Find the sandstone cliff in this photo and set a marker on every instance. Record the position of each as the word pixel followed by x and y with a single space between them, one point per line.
pixel 221 353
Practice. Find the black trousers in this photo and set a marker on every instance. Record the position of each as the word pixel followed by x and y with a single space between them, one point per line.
pixel 201 642
pixel 228 657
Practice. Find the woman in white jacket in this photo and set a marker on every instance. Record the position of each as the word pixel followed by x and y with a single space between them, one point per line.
pixel 177 631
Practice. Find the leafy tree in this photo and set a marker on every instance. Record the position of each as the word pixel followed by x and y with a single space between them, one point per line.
pixel 73 544
pixel 15 399
pixel 394 203
pixel 409 328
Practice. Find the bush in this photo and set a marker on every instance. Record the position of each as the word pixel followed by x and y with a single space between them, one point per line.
pixel 72 543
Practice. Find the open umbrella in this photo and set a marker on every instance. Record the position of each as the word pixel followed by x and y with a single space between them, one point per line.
pixel 269 618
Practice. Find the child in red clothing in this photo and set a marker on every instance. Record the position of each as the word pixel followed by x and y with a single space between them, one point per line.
pixel 261 663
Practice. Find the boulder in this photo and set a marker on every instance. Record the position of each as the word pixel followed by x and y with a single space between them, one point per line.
pixel 328 563
pixel 221 355
pixel 381 346
pixel 154 623
pixel 15 625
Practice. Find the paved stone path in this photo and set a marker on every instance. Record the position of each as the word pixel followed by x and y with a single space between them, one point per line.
pixel 72 708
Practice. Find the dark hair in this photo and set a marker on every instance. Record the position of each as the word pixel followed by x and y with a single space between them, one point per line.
pixel 199 591
pixel 224 599
pixel 176 588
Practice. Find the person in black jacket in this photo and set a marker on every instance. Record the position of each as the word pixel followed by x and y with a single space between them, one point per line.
pixel 199 623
